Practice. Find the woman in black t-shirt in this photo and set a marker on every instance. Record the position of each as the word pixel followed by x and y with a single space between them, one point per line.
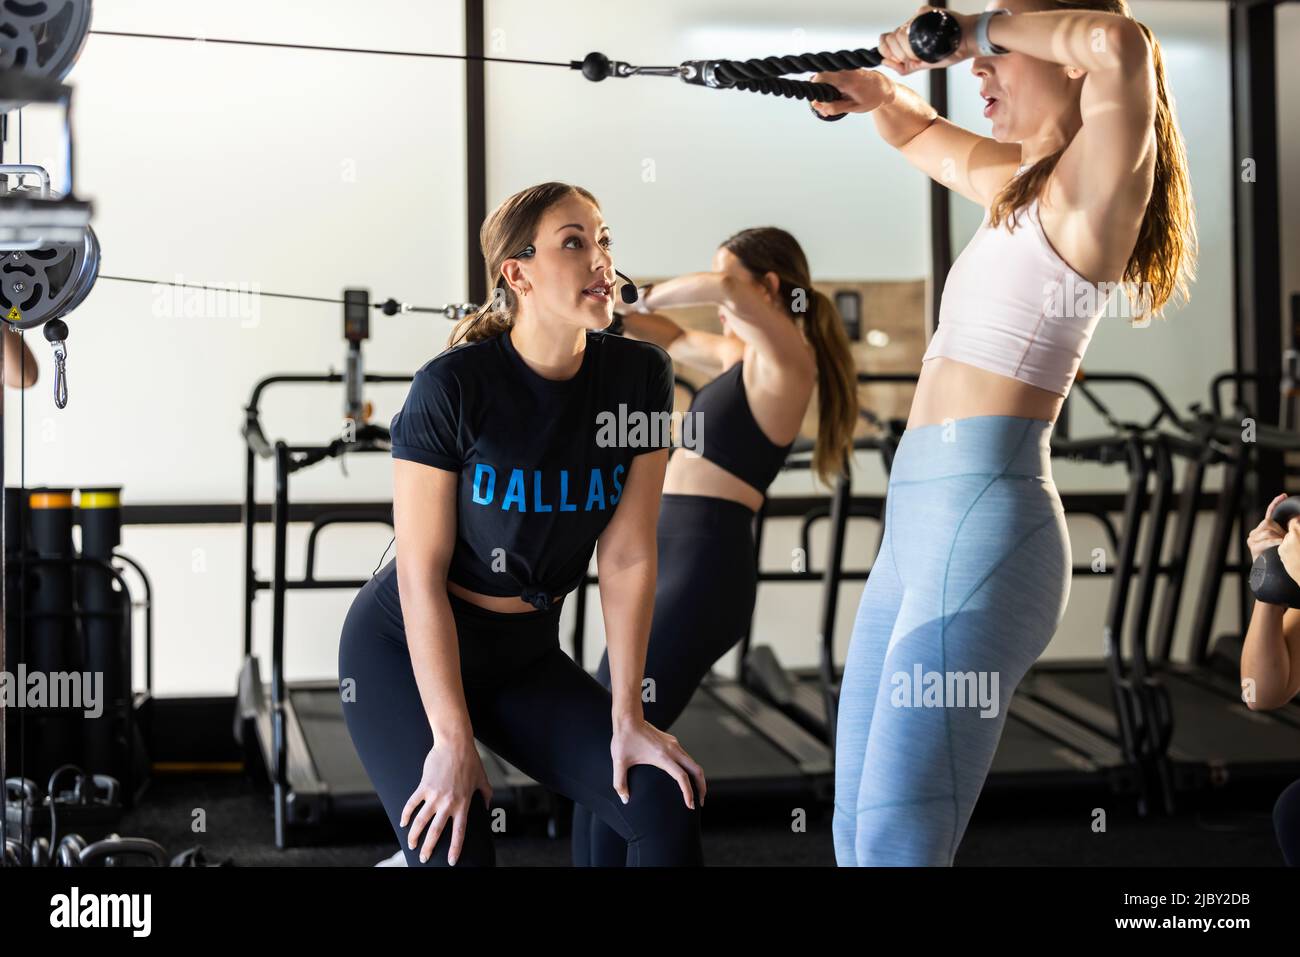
pixel 517 453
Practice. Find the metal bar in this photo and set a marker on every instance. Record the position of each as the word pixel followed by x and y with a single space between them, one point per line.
pixel 1256 232
pixel 475 152
pixel 758 522
pixel 1217 555
pixel 247 517
pixel 1184 527
pixel 148 619
pixel 782 506
pixel 315 584
pixel 279 739
pixel 830 596
pixel 940 205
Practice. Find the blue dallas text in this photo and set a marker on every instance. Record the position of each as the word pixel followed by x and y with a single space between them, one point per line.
pixel 515 494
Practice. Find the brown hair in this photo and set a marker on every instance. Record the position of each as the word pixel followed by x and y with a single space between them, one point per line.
pixel 1163 261
pixel 769 249
pixel 511 227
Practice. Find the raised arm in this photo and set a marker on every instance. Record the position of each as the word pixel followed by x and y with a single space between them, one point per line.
pixel 758 318
pixel 971 165
pixel 1108 167
pixel 694 347
pixel 1096 172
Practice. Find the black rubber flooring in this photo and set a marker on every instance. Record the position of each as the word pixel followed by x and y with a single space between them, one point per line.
pixel 1220 830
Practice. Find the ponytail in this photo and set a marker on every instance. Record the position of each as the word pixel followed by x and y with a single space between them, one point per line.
pixel 837 389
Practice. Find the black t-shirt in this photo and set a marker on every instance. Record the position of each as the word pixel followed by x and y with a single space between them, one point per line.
pixel 542 462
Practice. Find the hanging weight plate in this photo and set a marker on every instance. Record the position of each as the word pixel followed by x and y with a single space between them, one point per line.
pixel 42 37
pixel 37 285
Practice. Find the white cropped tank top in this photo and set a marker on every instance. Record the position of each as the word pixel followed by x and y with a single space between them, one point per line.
pixel 1011 305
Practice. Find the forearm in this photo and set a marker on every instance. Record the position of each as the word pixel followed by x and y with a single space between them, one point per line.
pixel 435 660
pixel 1089 39
pixel 903 115
pixel 627 590
pixel 746 301
pixel 651 327
pixel 1265 659
pixel 692 289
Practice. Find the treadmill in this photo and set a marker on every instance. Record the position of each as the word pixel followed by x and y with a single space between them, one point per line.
pixel 1192 729
pixel 1220 739
pixel 295 730
pixel 748 749
pixel 1220 666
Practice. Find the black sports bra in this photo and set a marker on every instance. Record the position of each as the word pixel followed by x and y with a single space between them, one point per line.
pixel 731 437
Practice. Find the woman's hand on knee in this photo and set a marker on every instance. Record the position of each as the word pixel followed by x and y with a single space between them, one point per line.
pixel 639 742
pixel 453 772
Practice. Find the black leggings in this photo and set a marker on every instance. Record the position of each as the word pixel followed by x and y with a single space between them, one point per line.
pixel 704 600
pixel 528 701
pixel 1286 824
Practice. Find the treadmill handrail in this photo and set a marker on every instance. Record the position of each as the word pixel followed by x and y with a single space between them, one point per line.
pixel 252 431
pixel 1164 408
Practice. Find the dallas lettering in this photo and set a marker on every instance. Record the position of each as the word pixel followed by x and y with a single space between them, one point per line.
pixel 562 493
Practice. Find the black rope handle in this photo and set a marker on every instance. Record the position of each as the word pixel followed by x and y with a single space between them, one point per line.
pixel 735 72
pixel 761 75
pixel 933 36
pixel 790 89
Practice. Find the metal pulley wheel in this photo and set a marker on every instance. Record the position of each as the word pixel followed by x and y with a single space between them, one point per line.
pixel 42 38
pixel 37 285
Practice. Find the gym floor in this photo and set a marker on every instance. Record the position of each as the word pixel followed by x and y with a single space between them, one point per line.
pixel 1002 833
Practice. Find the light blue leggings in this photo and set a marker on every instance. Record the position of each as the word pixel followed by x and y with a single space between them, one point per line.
pixel 971 581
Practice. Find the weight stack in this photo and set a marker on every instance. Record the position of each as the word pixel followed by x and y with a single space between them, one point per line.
pixel 17 537
pixel 54 652
pixel 103 623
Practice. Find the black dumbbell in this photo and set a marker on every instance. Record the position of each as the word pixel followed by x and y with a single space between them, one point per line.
pixel 69 850
pixel 1269 581
pixel 15 854
pixel 113 848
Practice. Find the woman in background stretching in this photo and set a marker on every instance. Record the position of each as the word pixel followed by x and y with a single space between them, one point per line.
pixel 781 341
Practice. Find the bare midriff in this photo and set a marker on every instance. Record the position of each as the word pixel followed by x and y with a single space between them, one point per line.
pixel 510 605
pixel 689 474
pixel 948 389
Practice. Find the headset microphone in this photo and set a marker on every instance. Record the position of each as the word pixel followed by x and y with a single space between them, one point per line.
pixel 628 292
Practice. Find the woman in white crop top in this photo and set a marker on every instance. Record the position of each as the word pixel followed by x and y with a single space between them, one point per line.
pixel 1085 185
